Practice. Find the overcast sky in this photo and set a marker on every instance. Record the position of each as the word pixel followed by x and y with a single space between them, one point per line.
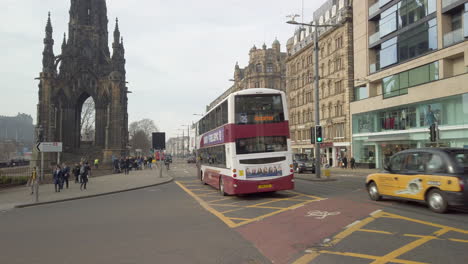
pixel 180 53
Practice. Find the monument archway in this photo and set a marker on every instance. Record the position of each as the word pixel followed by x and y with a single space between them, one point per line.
pixel 84 69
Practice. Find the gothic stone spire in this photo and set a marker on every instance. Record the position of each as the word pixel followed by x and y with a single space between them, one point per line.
pixel 48 57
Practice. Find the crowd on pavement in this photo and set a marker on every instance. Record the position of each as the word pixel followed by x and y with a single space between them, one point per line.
pixel 126 164
pixel 61 176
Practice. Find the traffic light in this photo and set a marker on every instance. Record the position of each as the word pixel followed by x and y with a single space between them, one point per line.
pixel 318 134
pixel 433 133
pixel 312 135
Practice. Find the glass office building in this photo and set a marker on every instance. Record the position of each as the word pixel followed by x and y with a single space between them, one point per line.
pixel 379 134
pixel 416 75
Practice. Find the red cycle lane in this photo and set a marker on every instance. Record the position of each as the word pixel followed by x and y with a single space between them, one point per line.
pixel 284 237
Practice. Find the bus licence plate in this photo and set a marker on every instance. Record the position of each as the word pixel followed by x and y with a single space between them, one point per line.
pixel 264 186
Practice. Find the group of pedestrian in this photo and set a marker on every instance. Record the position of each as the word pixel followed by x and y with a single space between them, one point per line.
pixel 126 164
pixel 343 162
pixel 61 175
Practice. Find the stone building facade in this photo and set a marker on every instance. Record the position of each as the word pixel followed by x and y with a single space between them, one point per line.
pixel 85 68
pixel 17 128
pixel 266 69
pixel 336 82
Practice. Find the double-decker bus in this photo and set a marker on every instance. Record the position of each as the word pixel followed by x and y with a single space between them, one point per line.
pixel 243 144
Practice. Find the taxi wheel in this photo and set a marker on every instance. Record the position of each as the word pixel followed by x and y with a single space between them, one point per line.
pixel 374 192
pixel 221 186
pixel 437 202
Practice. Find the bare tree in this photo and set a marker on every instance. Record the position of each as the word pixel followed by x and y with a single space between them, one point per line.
pixel 88 119
pixel 140 140
pixel 146 125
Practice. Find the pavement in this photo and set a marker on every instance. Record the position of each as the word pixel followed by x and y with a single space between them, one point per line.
pixel 21 196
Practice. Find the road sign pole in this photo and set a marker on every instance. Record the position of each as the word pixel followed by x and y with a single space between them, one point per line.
pixel 160 164
pixel 42 166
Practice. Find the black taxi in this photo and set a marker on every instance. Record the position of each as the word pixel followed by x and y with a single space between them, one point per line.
pixel 436 176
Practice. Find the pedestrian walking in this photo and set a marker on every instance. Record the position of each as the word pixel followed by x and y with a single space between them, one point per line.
pixel 150 163
pixel 127 165
pixel 84 172
pixel 345 162
pixel 32 179
pixel 96 163
pixel 76 172
pixel 57 176
pixel 353 163
pixel 66 174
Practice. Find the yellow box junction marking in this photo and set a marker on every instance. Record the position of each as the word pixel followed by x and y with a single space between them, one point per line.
pixel 236 206
pixel 392 256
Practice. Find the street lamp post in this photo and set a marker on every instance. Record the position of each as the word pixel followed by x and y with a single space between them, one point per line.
pixel 316 71
pixel 188 138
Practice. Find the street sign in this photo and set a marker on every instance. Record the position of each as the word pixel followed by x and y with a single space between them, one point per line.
pixel 49 147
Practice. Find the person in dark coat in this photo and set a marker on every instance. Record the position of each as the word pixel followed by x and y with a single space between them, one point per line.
pixel 66 174
pixel 345 162
pixel 353 163
pixel 57 178
pixel 84 172
pixel 76 172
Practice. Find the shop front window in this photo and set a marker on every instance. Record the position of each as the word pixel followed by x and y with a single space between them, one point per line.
pixel 447 111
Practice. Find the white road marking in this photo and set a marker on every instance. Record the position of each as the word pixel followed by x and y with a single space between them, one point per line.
pixel 321 214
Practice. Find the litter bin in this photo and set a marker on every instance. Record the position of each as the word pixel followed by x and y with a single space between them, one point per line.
pixel 326 171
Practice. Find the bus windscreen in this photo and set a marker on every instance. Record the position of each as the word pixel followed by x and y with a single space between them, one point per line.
pixel 258 109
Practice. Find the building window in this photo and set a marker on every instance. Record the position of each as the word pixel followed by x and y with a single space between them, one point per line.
pixel 338 64
pixel 270 67
pixel 339 130
pixel 388 22
pixel 360 93
pixel 465 21
pixel 338 87
pixel 410 44
pixel 258 67
pixel 398 84
pixel 329 48
pixel 339 42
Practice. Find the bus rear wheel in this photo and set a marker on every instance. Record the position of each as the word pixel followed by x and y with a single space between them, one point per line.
pixel 221 186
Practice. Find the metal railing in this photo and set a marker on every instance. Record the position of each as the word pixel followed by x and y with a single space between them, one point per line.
pixel 453 37
pixel 16 172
